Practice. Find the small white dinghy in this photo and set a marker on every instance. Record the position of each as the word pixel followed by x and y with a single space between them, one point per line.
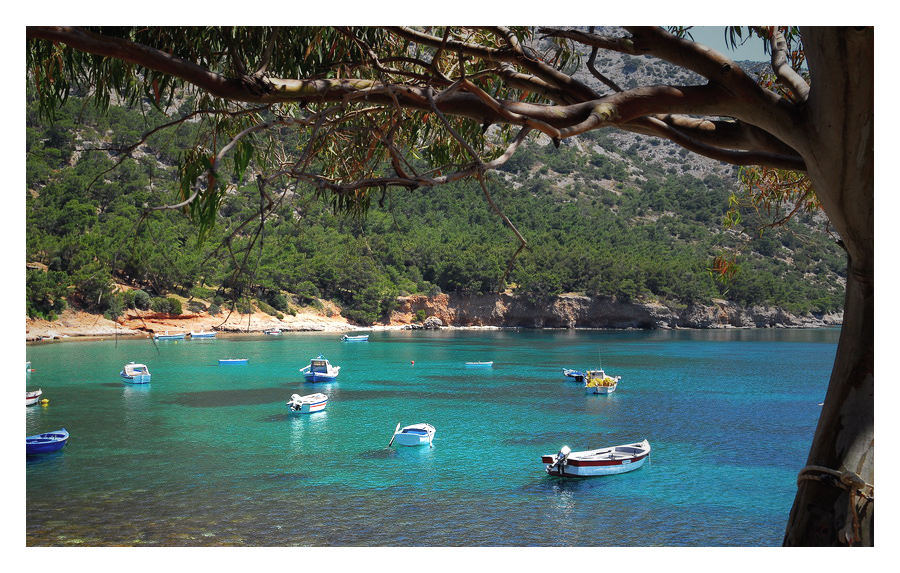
pixel 307 404
pixel 413 435
pixel 601 462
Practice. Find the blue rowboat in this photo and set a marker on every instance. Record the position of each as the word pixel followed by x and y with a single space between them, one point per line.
pixel 233 360
pixel 168 336
pixel 203 334
pixel 135 373
pixel 360 338
pixel 46 443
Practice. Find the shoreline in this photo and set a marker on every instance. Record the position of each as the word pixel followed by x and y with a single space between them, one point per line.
pixel 81 326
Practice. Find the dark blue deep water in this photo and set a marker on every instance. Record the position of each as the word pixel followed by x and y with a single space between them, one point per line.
pixel 207 455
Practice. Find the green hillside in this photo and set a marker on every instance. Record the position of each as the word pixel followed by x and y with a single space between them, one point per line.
pixel 603 215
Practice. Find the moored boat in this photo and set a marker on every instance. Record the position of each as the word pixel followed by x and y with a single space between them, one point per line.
pixel 33 396
pixel 600 462
pixel 598 382
pixel 203 334
pixel 273 332
pixel 320 370
pixel 479 364
pixel 234 360
pixel 135 373
pixel 577 375
pixel 307 404
pixel 360 338
pixel 47 442
pixel 413 435
pixel 167 336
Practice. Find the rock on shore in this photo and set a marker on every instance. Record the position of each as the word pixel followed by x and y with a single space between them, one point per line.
pixel 574 311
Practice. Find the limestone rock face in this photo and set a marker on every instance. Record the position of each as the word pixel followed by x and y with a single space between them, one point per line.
pixel 574 311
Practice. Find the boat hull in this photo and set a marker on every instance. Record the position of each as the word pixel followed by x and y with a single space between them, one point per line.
pixel 32 398
pixel 140 379
pixel 319 377
pixel 363 338
pixel 601 389
pixel 46 443
pixel 479 364
pixel 602 462
pixel 234 361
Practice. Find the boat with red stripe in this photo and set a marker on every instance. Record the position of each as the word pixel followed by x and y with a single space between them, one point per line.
pixel 307 404
pixel 600 462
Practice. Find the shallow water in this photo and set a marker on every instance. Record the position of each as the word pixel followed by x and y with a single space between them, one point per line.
pixel 208 455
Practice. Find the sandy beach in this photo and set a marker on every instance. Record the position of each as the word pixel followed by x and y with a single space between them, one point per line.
pixel 72 323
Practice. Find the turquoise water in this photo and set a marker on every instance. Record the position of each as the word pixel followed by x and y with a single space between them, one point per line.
pixel 207 455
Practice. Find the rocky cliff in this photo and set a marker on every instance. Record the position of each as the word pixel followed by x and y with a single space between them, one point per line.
pixel 573 311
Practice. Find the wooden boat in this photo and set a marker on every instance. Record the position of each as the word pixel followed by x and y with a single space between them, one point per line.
pixel 46 443
pixel 602 462
pixel 577 375
pixel 167 336
pixel 135 373
pixel 273 332
pixel 33 397
pixel 320 370
pixel 234 360
pixel 598 382
pixel 479 364
pixel 360 338
pixel 203 334
pixel 307 404
pixel 413 435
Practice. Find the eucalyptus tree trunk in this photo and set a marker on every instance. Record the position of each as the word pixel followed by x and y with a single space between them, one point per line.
pixel 835 498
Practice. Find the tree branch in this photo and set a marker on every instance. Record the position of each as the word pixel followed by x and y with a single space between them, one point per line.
pixel 783 71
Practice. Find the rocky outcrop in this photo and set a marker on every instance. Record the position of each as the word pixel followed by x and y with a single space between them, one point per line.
pixel 573 311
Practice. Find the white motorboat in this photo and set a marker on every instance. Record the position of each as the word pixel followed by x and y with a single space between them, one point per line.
pixel 601 462
pixel 320 370
pixel 307 404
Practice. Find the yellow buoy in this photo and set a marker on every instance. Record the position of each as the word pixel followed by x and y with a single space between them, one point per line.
pixel 45 401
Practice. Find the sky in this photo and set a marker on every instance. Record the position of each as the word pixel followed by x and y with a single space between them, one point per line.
pixel 714 37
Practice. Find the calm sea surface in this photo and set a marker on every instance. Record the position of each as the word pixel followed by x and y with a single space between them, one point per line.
pixel 208 455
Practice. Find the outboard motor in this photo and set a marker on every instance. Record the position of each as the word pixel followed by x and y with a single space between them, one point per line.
pixel 560 460
pixel 294 402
